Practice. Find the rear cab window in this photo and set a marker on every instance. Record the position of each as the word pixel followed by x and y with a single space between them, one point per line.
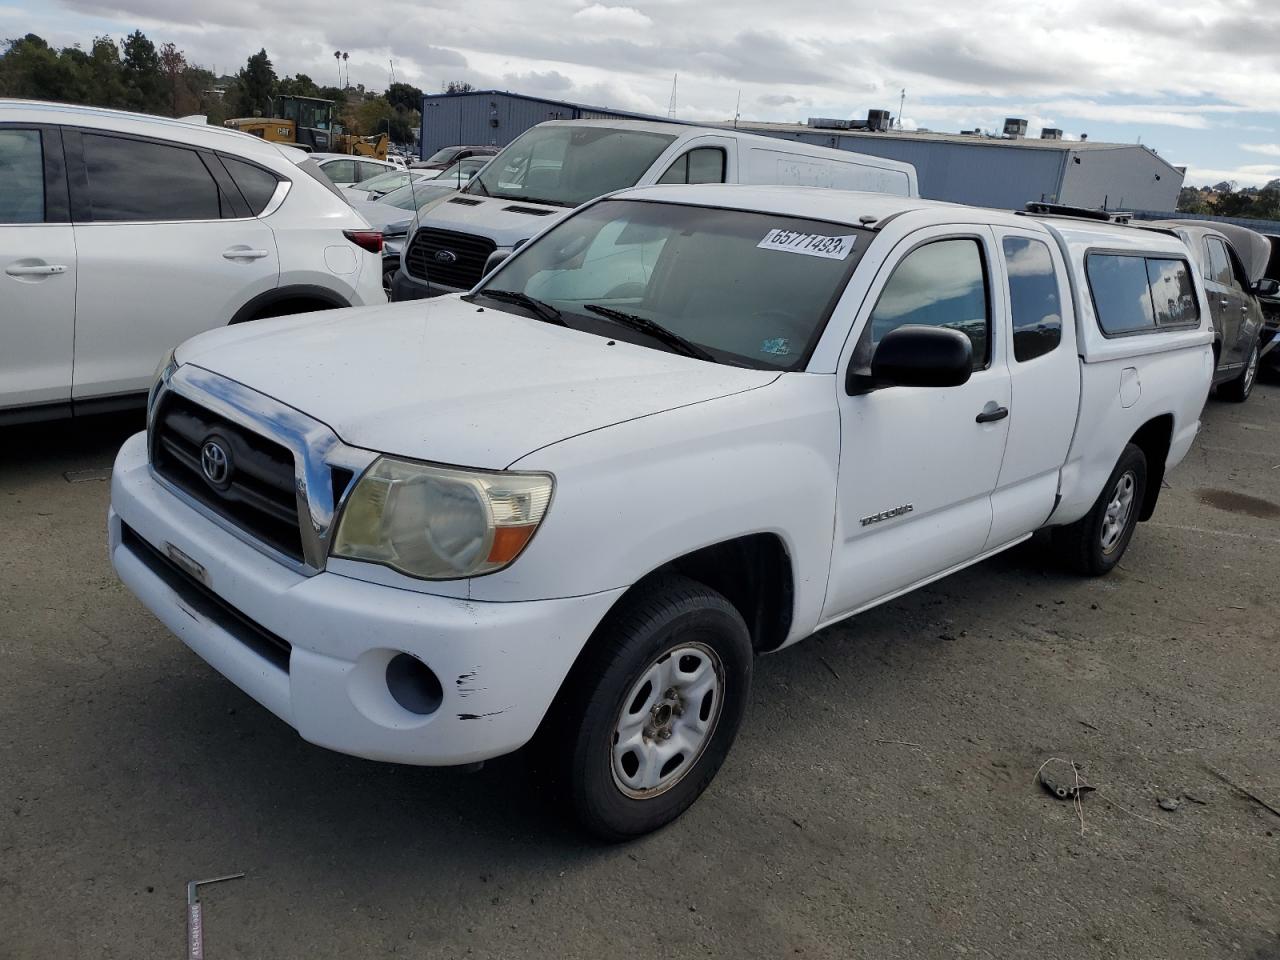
pixel 1135 294
pixel 1034 297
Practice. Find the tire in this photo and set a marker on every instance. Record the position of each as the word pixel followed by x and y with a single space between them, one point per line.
pixel 671 635
pixel 1238 390
pixel 1094 544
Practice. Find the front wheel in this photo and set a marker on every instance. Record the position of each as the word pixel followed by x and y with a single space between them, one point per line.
pixel 1094 544
pixel 652 707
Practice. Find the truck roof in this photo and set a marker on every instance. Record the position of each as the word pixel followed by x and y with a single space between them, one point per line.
pixel 857 208
pixel 142 124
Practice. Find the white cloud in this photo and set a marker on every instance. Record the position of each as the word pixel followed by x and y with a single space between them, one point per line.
pixel 624 17
pixel 1266 149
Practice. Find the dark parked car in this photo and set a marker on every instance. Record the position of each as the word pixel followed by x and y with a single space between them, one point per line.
pixel 449 155
pixel 1233 262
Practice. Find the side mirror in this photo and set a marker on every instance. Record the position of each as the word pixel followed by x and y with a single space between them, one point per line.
pixel 917 356
pixel 1266 287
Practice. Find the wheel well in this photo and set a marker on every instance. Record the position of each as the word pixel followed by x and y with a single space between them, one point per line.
pixel 754 574
pixel 283 301
pixel 1154 439
pixel 286 307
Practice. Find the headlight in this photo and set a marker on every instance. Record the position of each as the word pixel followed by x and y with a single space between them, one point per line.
pixel 440 523
pixel 164 370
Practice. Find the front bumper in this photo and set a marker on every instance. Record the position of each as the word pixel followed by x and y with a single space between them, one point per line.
pixel 405 287
pixel 499 664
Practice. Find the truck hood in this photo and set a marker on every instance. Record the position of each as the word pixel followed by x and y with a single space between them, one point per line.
pixel 506 222
pixel 443 380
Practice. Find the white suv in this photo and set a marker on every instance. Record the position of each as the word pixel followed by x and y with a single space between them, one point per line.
pixel 122 235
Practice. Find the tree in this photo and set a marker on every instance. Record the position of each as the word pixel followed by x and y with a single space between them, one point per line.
pixel 144 87
pixel 404 96
pixel 173 63
pixel 457 86
pixel 257 84
pixel 105 73
pixel 299 85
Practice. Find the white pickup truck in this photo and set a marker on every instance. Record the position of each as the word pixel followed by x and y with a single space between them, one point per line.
pixel 684 426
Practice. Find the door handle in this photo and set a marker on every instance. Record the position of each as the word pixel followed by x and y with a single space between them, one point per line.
pixel 244 253
pixel 1225 302
pixel 991 413
pixel 42 270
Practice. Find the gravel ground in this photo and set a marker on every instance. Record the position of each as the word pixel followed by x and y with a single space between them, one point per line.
pixel 880 801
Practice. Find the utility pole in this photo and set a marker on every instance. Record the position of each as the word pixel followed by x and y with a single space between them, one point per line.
pixel 901 100
pixel 737 110
pixel 671 107
pixel 345 57
pixel 337 55
pixel 393 70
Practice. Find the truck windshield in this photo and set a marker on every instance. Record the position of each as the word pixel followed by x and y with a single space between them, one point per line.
pixel 569 165
pixel 751 289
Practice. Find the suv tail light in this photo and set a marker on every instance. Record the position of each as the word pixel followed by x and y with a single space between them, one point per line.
pixel 370 240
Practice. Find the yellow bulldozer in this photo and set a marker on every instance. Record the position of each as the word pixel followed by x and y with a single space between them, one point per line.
pixel 307 122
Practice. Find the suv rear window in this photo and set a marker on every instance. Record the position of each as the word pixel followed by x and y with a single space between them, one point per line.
pixel 1135 294
pixel 257 186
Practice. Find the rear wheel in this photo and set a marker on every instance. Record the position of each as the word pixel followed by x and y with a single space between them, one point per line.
pixel 1094 544
pixel 1238 390
pixel 650 710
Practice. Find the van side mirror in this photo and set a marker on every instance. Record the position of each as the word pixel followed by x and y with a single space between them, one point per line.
pixel 1266 287
pixel 917 356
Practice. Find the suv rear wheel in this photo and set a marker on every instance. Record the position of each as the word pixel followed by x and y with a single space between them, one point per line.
pixel 1238 390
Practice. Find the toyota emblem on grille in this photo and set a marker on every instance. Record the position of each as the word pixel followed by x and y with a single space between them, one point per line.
pixel 446 256
pixel 215 462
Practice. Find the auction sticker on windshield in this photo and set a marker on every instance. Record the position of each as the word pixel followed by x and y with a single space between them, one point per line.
pixel 809 244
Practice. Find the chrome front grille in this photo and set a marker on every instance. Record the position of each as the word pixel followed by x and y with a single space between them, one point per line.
pixel 285 473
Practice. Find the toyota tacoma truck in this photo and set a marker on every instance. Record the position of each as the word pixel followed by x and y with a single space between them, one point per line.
pixel 682 427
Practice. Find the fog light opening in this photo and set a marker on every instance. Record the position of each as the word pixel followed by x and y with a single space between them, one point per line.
pixel 413 685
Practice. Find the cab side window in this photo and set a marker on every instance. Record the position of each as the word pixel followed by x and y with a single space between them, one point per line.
pixel 1034 299
pixel 1136 294
pixel 939 284
pixel 21 177
pixel 699 165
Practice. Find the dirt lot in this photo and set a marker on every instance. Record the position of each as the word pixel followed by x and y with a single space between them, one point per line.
pixel 879 803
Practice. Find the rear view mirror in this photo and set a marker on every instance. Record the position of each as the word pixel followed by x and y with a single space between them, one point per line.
pixel 917 356
pixel 1266 287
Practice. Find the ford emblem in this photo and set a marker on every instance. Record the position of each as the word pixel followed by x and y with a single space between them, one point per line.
pixel 446 256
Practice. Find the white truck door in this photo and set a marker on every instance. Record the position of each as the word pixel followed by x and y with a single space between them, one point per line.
pixel 37 270
pixel 918 465
pixel 162 257
pixel 1044 373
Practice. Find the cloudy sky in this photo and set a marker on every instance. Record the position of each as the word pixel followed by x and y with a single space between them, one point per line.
pixel 1197 80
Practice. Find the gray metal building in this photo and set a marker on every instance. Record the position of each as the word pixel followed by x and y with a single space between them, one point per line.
pixel 1009 171
pixel 495 117
pixel 1006 171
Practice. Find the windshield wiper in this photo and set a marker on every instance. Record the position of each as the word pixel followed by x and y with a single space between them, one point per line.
pixel 655 330
pixel 543 311
pixel 479 183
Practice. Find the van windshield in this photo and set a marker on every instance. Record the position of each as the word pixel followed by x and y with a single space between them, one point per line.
pixel 743 288
pixel 568 165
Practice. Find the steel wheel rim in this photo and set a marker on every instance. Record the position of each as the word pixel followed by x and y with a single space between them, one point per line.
pixel 666 720
pixel 1251 370
pixel 1116 517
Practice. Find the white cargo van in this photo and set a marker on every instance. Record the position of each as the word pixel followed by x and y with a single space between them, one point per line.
pixel 557 166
